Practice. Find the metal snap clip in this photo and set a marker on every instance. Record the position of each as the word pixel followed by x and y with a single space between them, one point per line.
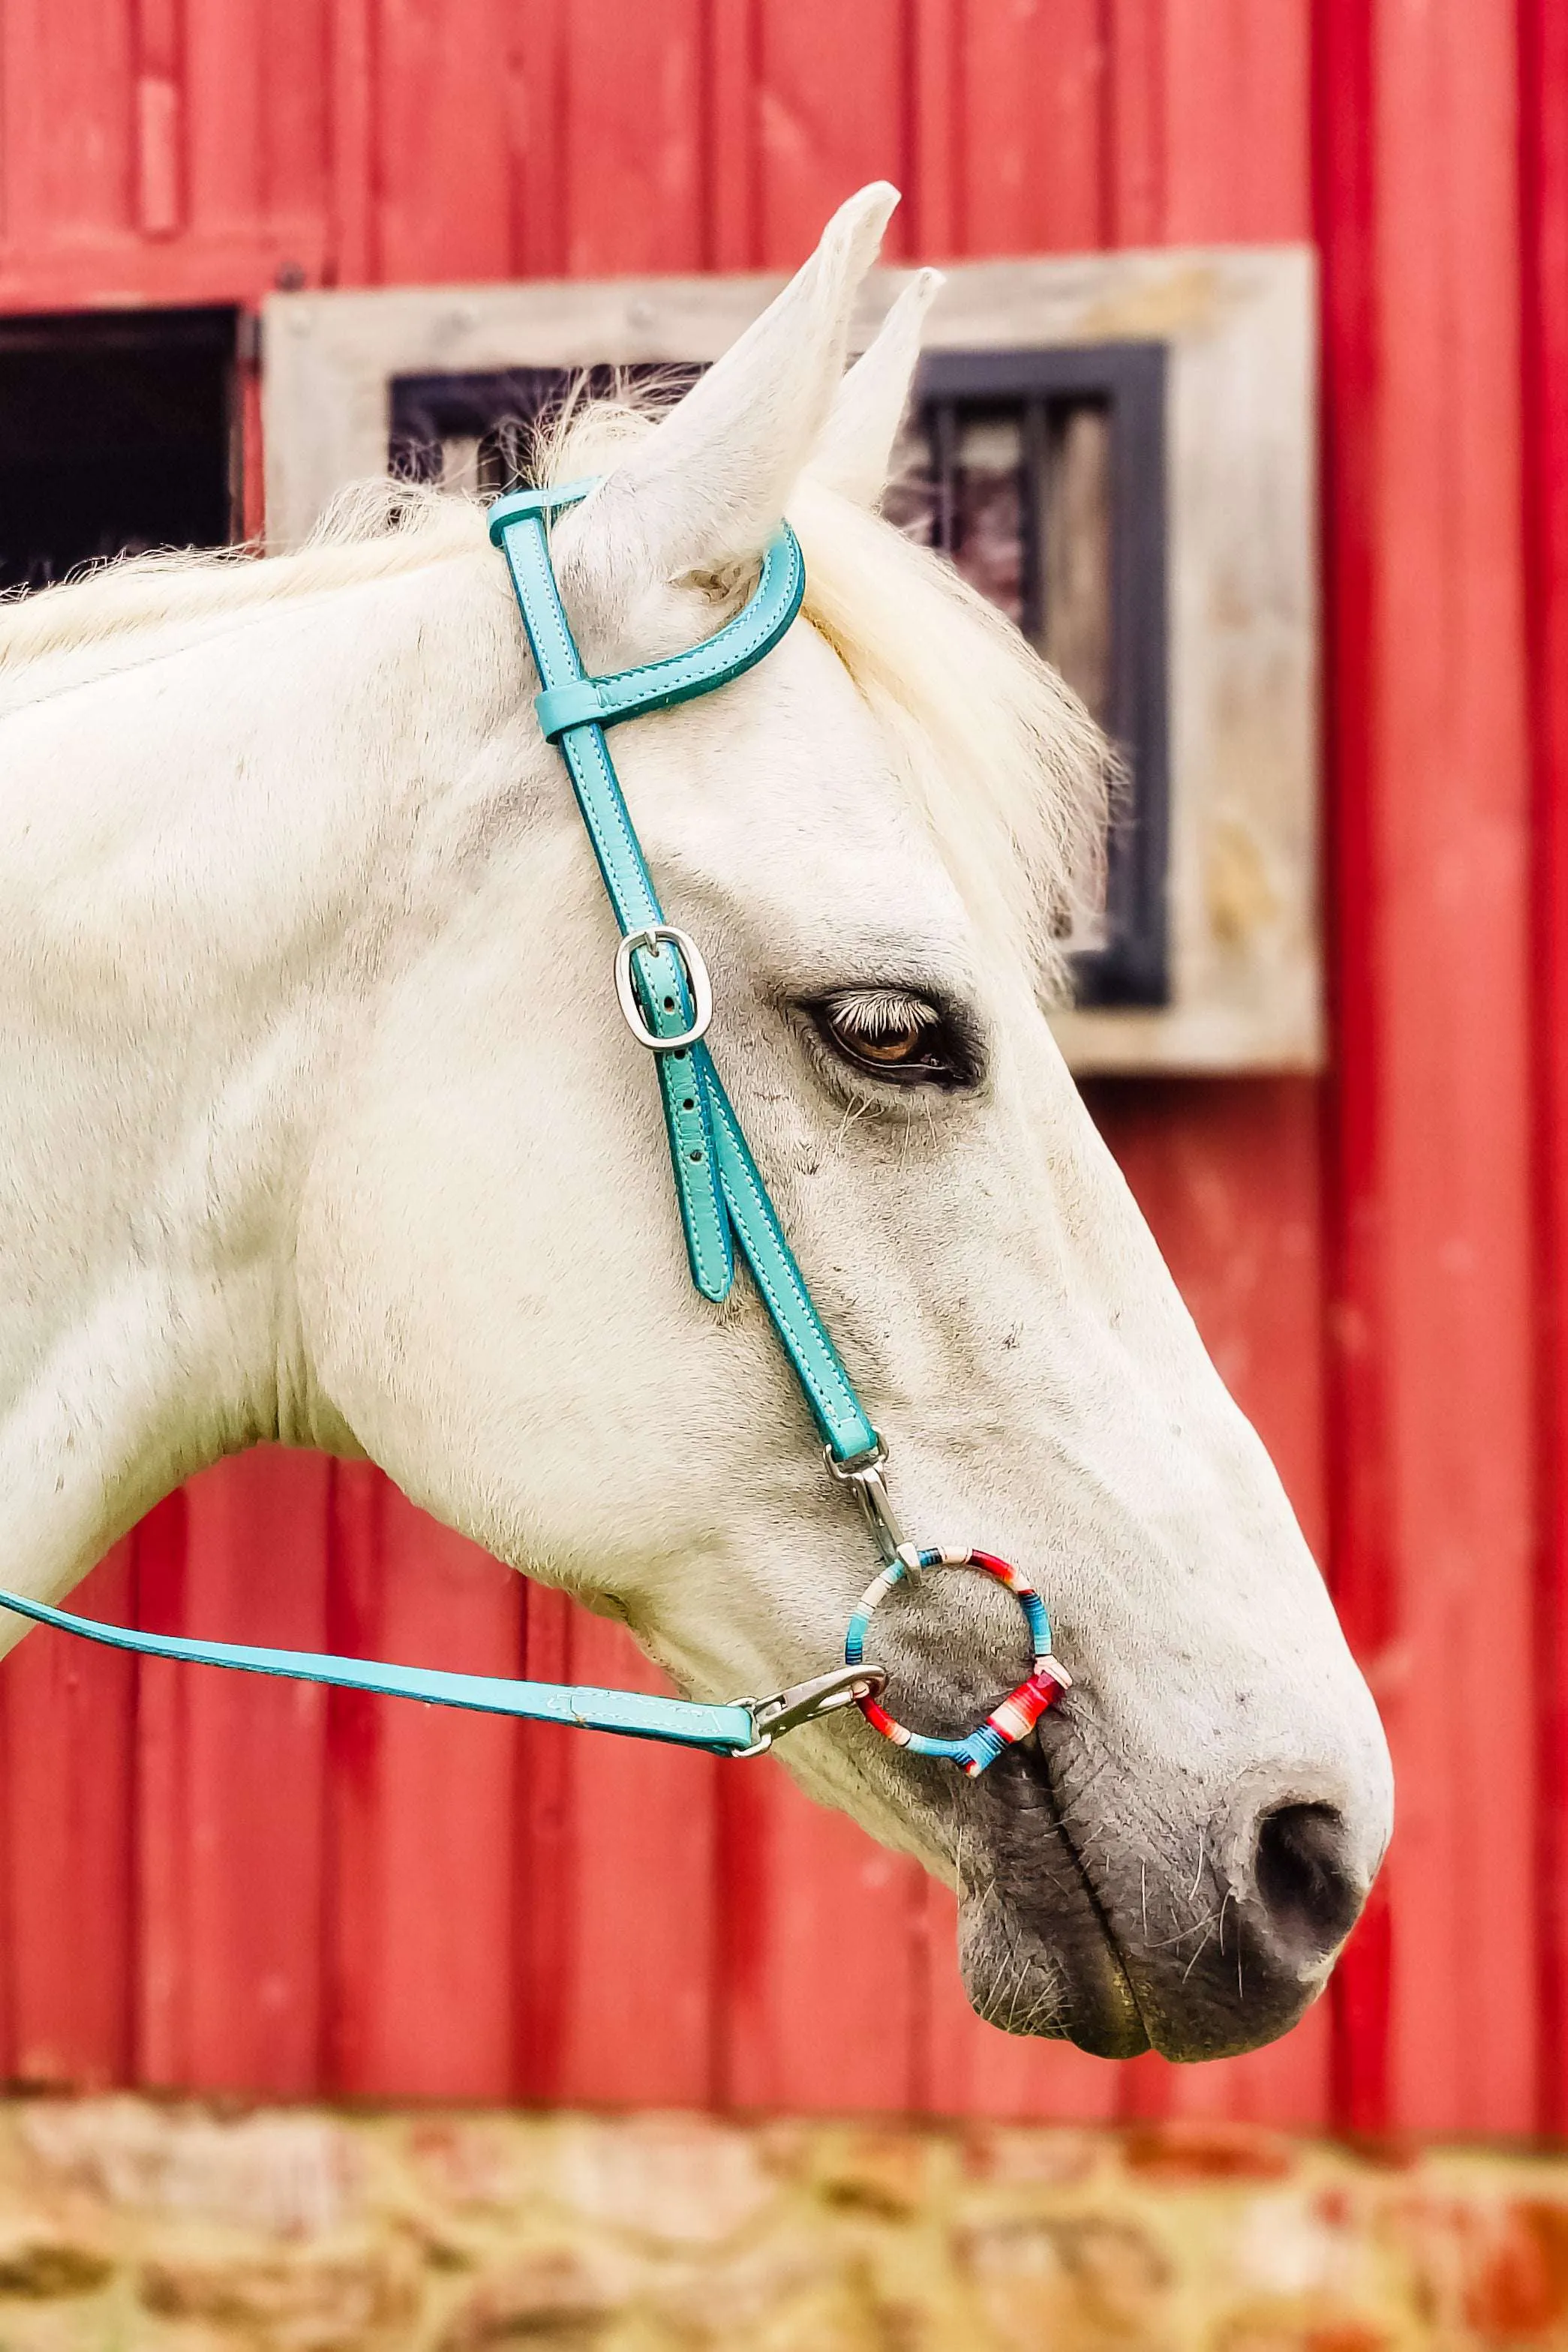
pixel 808 1702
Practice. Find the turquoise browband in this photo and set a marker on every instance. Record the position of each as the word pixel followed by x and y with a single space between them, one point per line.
pixel 667 998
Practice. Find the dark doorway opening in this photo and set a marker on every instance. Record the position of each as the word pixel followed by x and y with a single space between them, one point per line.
pixel 118 433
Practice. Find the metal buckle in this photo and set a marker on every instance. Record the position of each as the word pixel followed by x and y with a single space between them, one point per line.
pixel 864 1472
pixel 653 935
pixel 806 1701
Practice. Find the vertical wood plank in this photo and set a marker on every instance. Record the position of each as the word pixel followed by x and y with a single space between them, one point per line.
pixel 1358 1400
pixel 730 126
pixel 421 1810
pixel 1237 142
pixel 69 1716
pixel 231 1828
pixel 833 112
pixel 443 181
pixel 546 1923
pixel 624 1948
pixel 822 1954
pixel 1454 838
pixel 294 150
pixel 536 60
pixel 70 120
pixel 1436 1175
pixel 352 58
pixel 1543 132
pixel 163 1794
pixel 1135 195
pixel 254 81
pixel 936 193
pixel 631 158
pixel 1035 85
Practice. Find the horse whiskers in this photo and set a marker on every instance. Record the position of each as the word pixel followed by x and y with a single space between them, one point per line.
pixel 1070 1811
pixel 852 1113
pixel 1204 1926
pixel 1006 2006
pixel 1228 1897
pixel 1197 1956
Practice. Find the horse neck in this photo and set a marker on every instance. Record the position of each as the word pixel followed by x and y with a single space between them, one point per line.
pixel 203 869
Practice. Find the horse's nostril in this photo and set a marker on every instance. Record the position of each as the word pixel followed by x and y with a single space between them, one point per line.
pixel 1300 1869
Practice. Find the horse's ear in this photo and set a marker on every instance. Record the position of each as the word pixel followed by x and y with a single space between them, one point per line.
pixel 855 454
pixel 711 482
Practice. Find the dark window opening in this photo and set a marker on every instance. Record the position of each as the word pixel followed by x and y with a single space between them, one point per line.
pixel 476 432
pixel 118 434
pixel 1042 474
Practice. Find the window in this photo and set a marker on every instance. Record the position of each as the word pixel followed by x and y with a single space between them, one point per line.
pixel 117 432
pixel 1118 450
pixel 1043 474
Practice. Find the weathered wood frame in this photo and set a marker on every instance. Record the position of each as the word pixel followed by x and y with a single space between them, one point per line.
pixel 1238 328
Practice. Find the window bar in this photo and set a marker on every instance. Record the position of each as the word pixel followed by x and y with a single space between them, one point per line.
pixel 1035 457
pixel 945 464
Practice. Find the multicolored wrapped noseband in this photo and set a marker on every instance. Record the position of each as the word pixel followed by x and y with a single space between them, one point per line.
pixel 1019 1711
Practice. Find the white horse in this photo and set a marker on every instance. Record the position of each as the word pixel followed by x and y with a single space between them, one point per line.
pixel 318 1124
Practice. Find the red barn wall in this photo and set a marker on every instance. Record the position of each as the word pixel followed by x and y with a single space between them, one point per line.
pixel 219 1884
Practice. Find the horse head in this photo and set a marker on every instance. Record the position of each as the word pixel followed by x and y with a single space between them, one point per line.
pixel 874 834
pixel 324 1125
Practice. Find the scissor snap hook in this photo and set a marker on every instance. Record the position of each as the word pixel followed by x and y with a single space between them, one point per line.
pixel 864 1472
pixel 807 1702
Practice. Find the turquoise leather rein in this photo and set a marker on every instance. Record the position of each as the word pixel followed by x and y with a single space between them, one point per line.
pixel 667 998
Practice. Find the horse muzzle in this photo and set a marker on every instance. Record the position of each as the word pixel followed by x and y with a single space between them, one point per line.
pixel 1085 1918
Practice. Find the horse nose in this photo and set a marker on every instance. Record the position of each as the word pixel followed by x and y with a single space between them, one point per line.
pixel 1309 1882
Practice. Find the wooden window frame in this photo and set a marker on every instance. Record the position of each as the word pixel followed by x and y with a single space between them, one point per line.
pixel 1233 835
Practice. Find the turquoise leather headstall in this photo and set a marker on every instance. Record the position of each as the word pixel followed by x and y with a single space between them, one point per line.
pixel 667 997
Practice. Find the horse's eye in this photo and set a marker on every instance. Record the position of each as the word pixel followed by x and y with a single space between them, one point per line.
pixel 895 1035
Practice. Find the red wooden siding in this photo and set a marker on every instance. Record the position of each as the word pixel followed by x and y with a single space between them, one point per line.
pixel 229 1885
pixel 1543 145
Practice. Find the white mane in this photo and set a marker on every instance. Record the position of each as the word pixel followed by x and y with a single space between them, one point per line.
pixel 1004 762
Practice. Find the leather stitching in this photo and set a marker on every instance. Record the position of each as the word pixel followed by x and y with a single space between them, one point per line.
pixel 826 1375
pixel 717 661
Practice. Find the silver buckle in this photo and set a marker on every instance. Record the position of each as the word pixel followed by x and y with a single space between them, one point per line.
pixel 864 1472
pixel 807 1702
pixel 653 935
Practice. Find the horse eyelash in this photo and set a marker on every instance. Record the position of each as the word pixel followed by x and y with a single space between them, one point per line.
pixel 887 1009
pixel 891 1008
